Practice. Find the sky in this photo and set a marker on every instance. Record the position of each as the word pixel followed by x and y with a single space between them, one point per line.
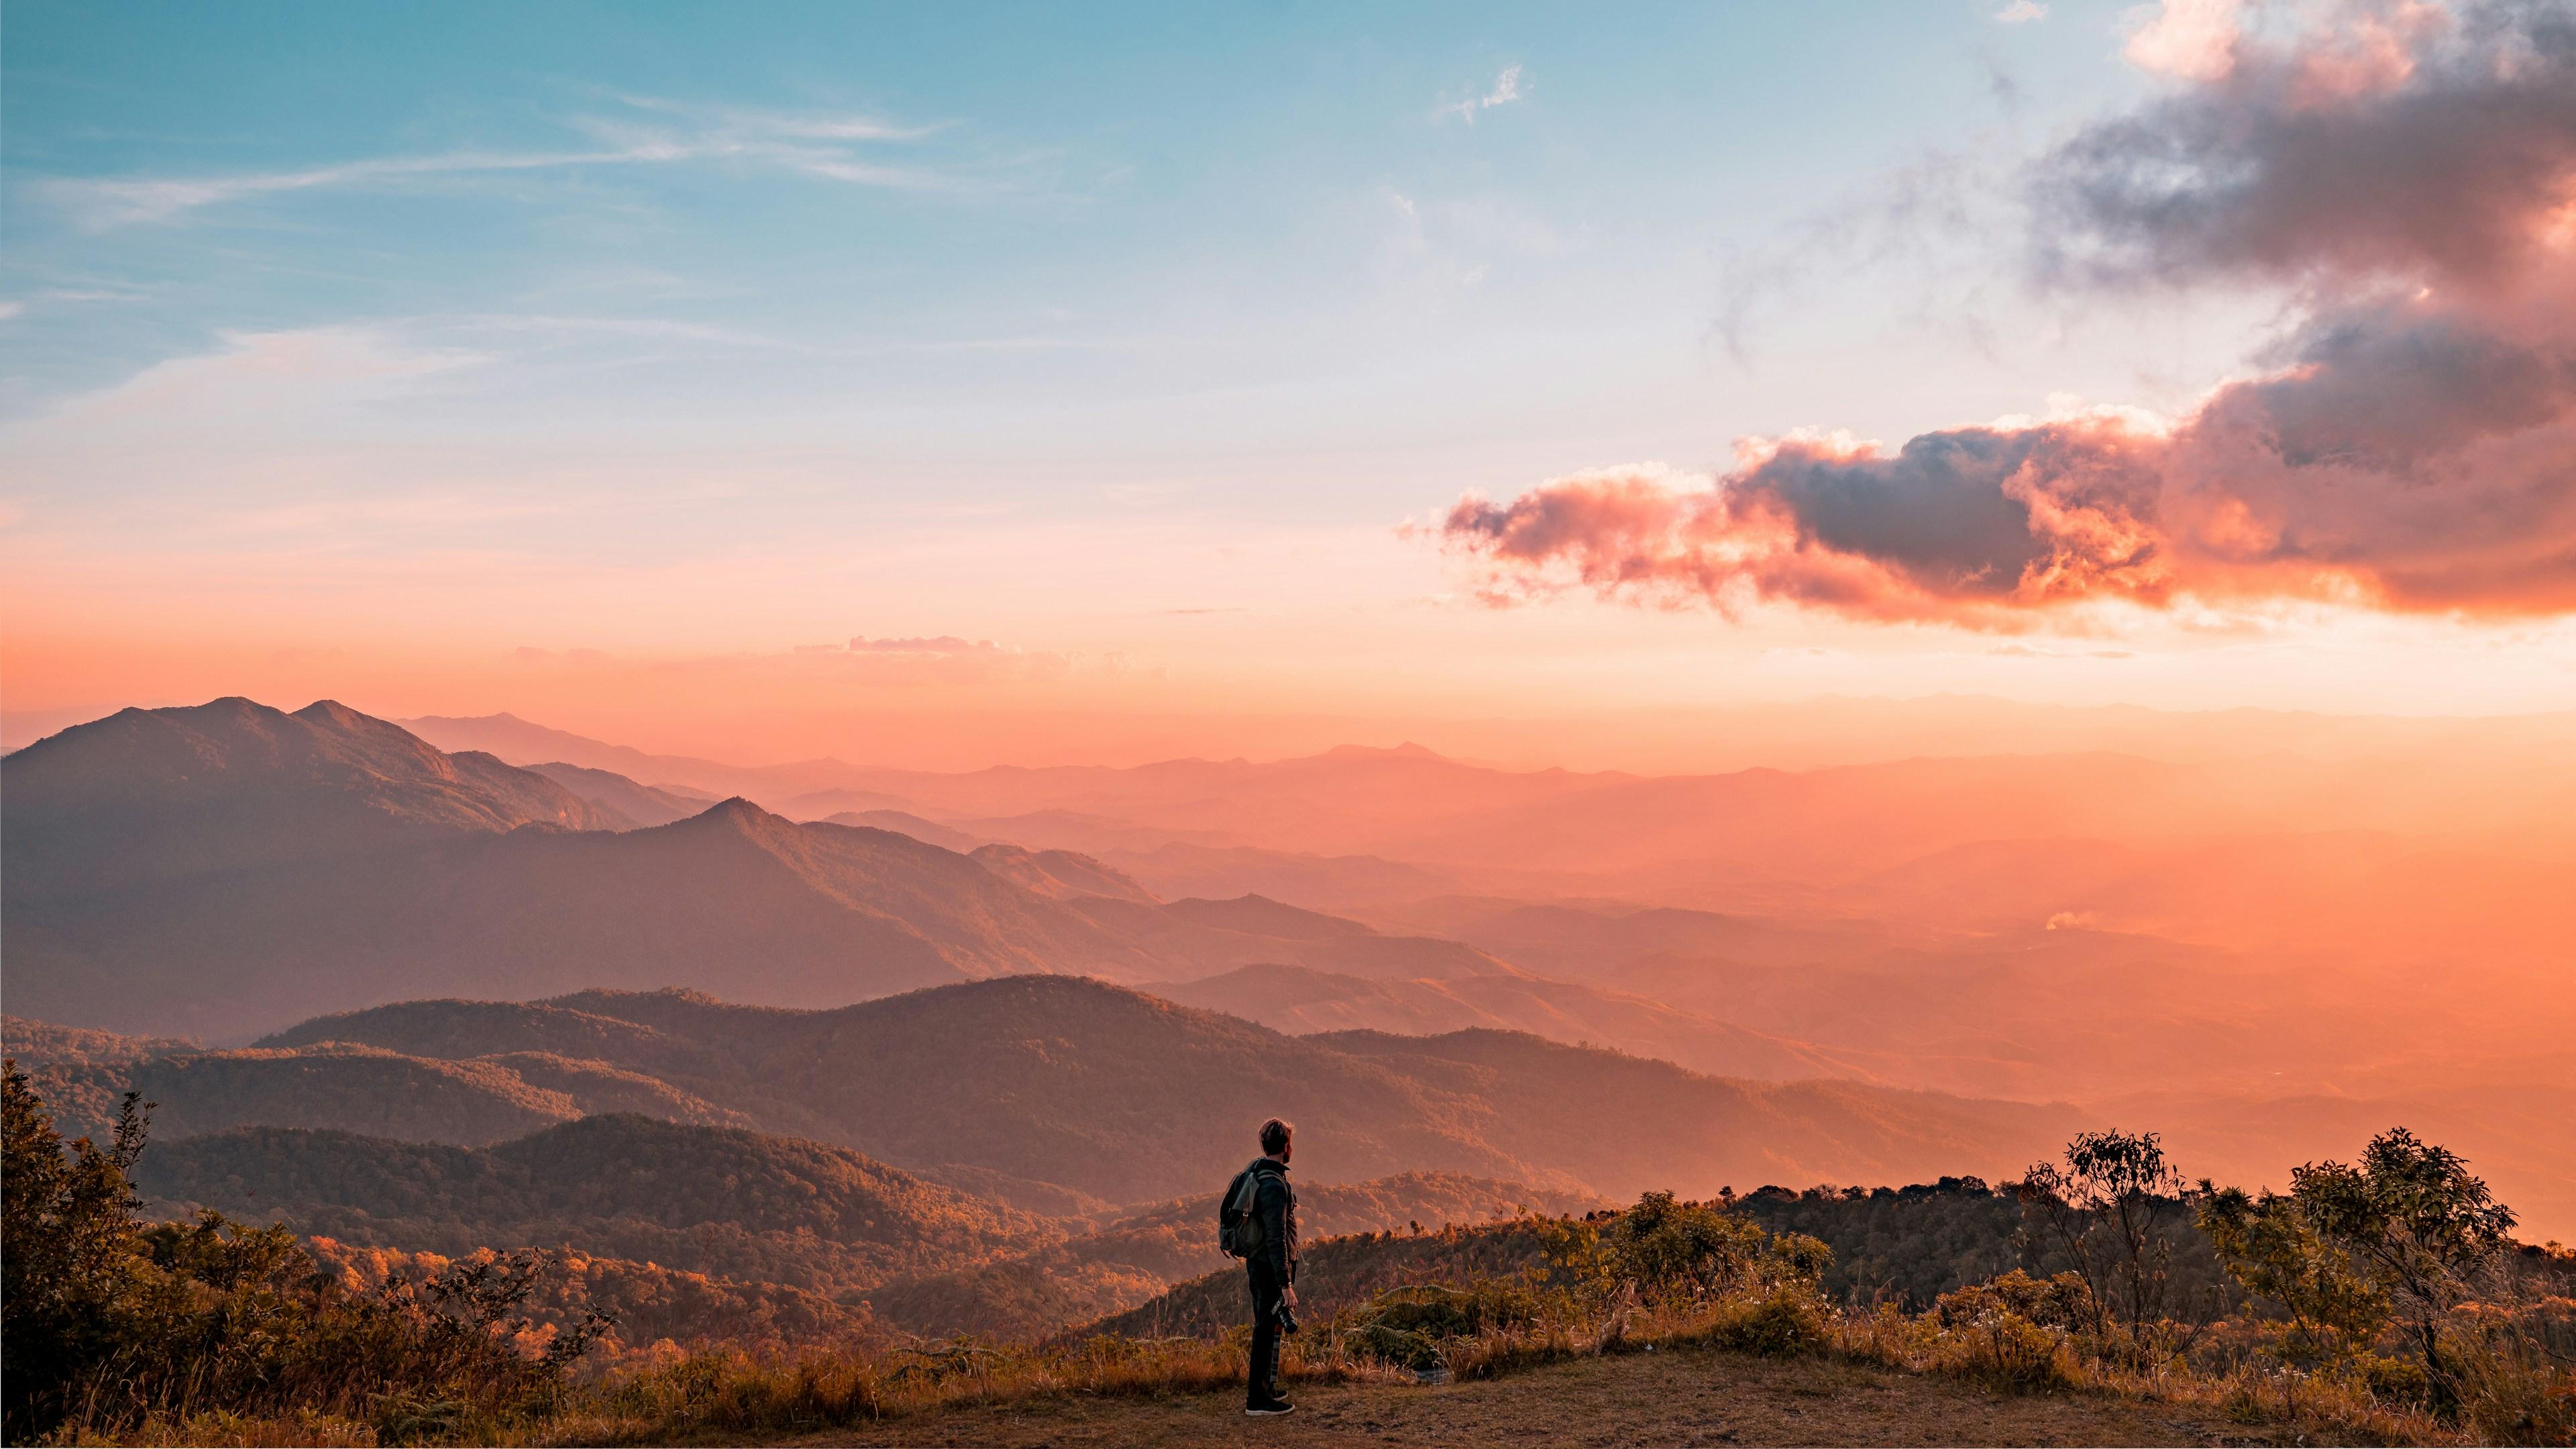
pixel 950 385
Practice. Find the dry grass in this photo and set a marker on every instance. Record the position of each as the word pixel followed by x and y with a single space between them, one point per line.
pixel 1991 1345
pixel 734 1397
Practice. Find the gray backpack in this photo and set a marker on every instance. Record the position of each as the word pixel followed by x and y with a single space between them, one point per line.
pixel 1239 1232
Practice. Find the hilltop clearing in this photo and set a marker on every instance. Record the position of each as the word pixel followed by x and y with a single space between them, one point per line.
pixel 1677 1397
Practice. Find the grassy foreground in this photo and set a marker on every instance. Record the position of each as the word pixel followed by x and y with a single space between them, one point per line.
pixel 2398 1317
pixel 1683 1396
pixel 1695 1379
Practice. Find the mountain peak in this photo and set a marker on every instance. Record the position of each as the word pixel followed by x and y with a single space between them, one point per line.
pixel 737 817
pixel 233 783
pixel 1406 751
pixel 332 711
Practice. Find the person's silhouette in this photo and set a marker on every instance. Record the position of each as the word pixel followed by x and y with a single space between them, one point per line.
pixel 1273 1267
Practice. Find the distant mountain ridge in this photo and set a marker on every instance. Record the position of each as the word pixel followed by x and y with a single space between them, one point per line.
pixel 1024 1087
pixel 1117 1094
pixel 156 794
pixel 513 738
pixel 223 869
pixel 1042 1090
pixel 1301 1001
pixel 623 799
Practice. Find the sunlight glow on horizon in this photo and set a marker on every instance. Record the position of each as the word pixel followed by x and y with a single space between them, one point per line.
pixel 622 403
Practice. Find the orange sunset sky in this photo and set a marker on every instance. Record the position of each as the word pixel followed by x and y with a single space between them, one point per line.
pixel 1531 392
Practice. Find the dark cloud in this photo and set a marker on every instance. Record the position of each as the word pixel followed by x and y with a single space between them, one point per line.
pixel 2409 168
pixel 2391 140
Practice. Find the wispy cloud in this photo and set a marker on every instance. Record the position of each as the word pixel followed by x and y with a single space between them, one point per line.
pixel 799 125
pixel 1506 90
pixel 257 378
pixel 2022 12
pixel 821 146
pixel 661 329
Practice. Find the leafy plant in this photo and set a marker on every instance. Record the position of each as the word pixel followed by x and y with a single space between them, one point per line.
pixel 2273 1249
pixel 1668 1250
pixel 2110 1207
pixel 2411 1221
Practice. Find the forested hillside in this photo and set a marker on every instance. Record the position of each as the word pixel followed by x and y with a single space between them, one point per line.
pixel 727 1203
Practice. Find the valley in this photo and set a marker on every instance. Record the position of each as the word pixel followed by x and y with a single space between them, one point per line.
pixel 961 1056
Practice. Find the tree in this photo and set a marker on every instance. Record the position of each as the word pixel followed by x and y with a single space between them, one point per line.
pixel 2109 1208
pixel 2270 1246
pixel 67 1249
pixel 110 1324
pixel 2412 1221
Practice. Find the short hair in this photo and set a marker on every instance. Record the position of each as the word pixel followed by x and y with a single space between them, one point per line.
pixel 1275 1135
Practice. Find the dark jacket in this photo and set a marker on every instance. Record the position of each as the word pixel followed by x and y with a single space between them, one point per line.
pixel 1276 1204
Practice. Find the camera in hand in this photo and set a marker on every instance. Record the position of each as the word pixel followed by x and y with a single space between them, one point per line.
pixel 1287 1317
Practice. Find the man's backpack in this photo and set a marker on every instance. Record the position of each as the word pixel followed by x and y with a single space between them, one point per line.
pixel 1238 1228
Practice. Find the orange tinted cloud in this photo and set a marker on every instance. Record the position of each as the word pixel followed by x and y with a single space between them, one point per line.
pixel 2410 444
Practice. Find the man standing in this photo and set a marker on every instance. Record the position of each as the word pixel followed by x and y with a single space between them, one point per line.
pixel 1273 1265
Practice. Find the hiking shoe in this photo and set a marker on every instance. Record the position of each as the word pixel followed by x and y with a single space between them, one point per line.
pixel 1268 1406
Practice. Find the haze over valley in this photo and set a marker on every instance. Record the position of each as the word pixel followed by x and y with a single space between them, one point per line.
pixel 360 930
pixel 1833 723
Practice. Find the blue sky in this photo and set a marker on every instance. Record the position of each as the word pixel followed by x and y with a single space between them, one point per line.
pixel 1111 333
pixel 1144 235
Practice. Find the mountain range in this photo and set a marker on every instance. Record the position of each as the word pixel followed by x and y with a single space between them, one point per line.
pixel 2239 944
pixel 224 869
pixel 1052 1091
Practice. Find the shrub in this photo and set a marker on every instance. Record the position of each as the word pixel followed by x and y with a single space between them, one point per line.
pixel 1783 1319
pixel 2010 1333
pixel 114 1327
pixel 1420 1326
pixel 2395 1381
pixel 1665 1250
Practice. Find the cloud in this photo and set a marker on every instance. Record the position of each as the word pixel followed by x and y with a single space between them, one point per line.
pixel 945 644
pixel 2406 443
pixel 933 660
pixel 1507 90
pixel 2187 39
pixel 2022 12
pixel 2394 142
pixel 260 375
pixel 944 662
pixel 644 328
pixel 811 145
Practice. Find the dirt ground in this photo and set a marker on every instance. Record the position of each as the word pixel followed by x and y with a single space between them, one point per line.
pixel 1684 1398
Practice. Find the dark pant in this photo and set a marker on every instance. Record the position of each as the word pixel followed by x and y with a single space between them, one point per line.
pixel 1264 1383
